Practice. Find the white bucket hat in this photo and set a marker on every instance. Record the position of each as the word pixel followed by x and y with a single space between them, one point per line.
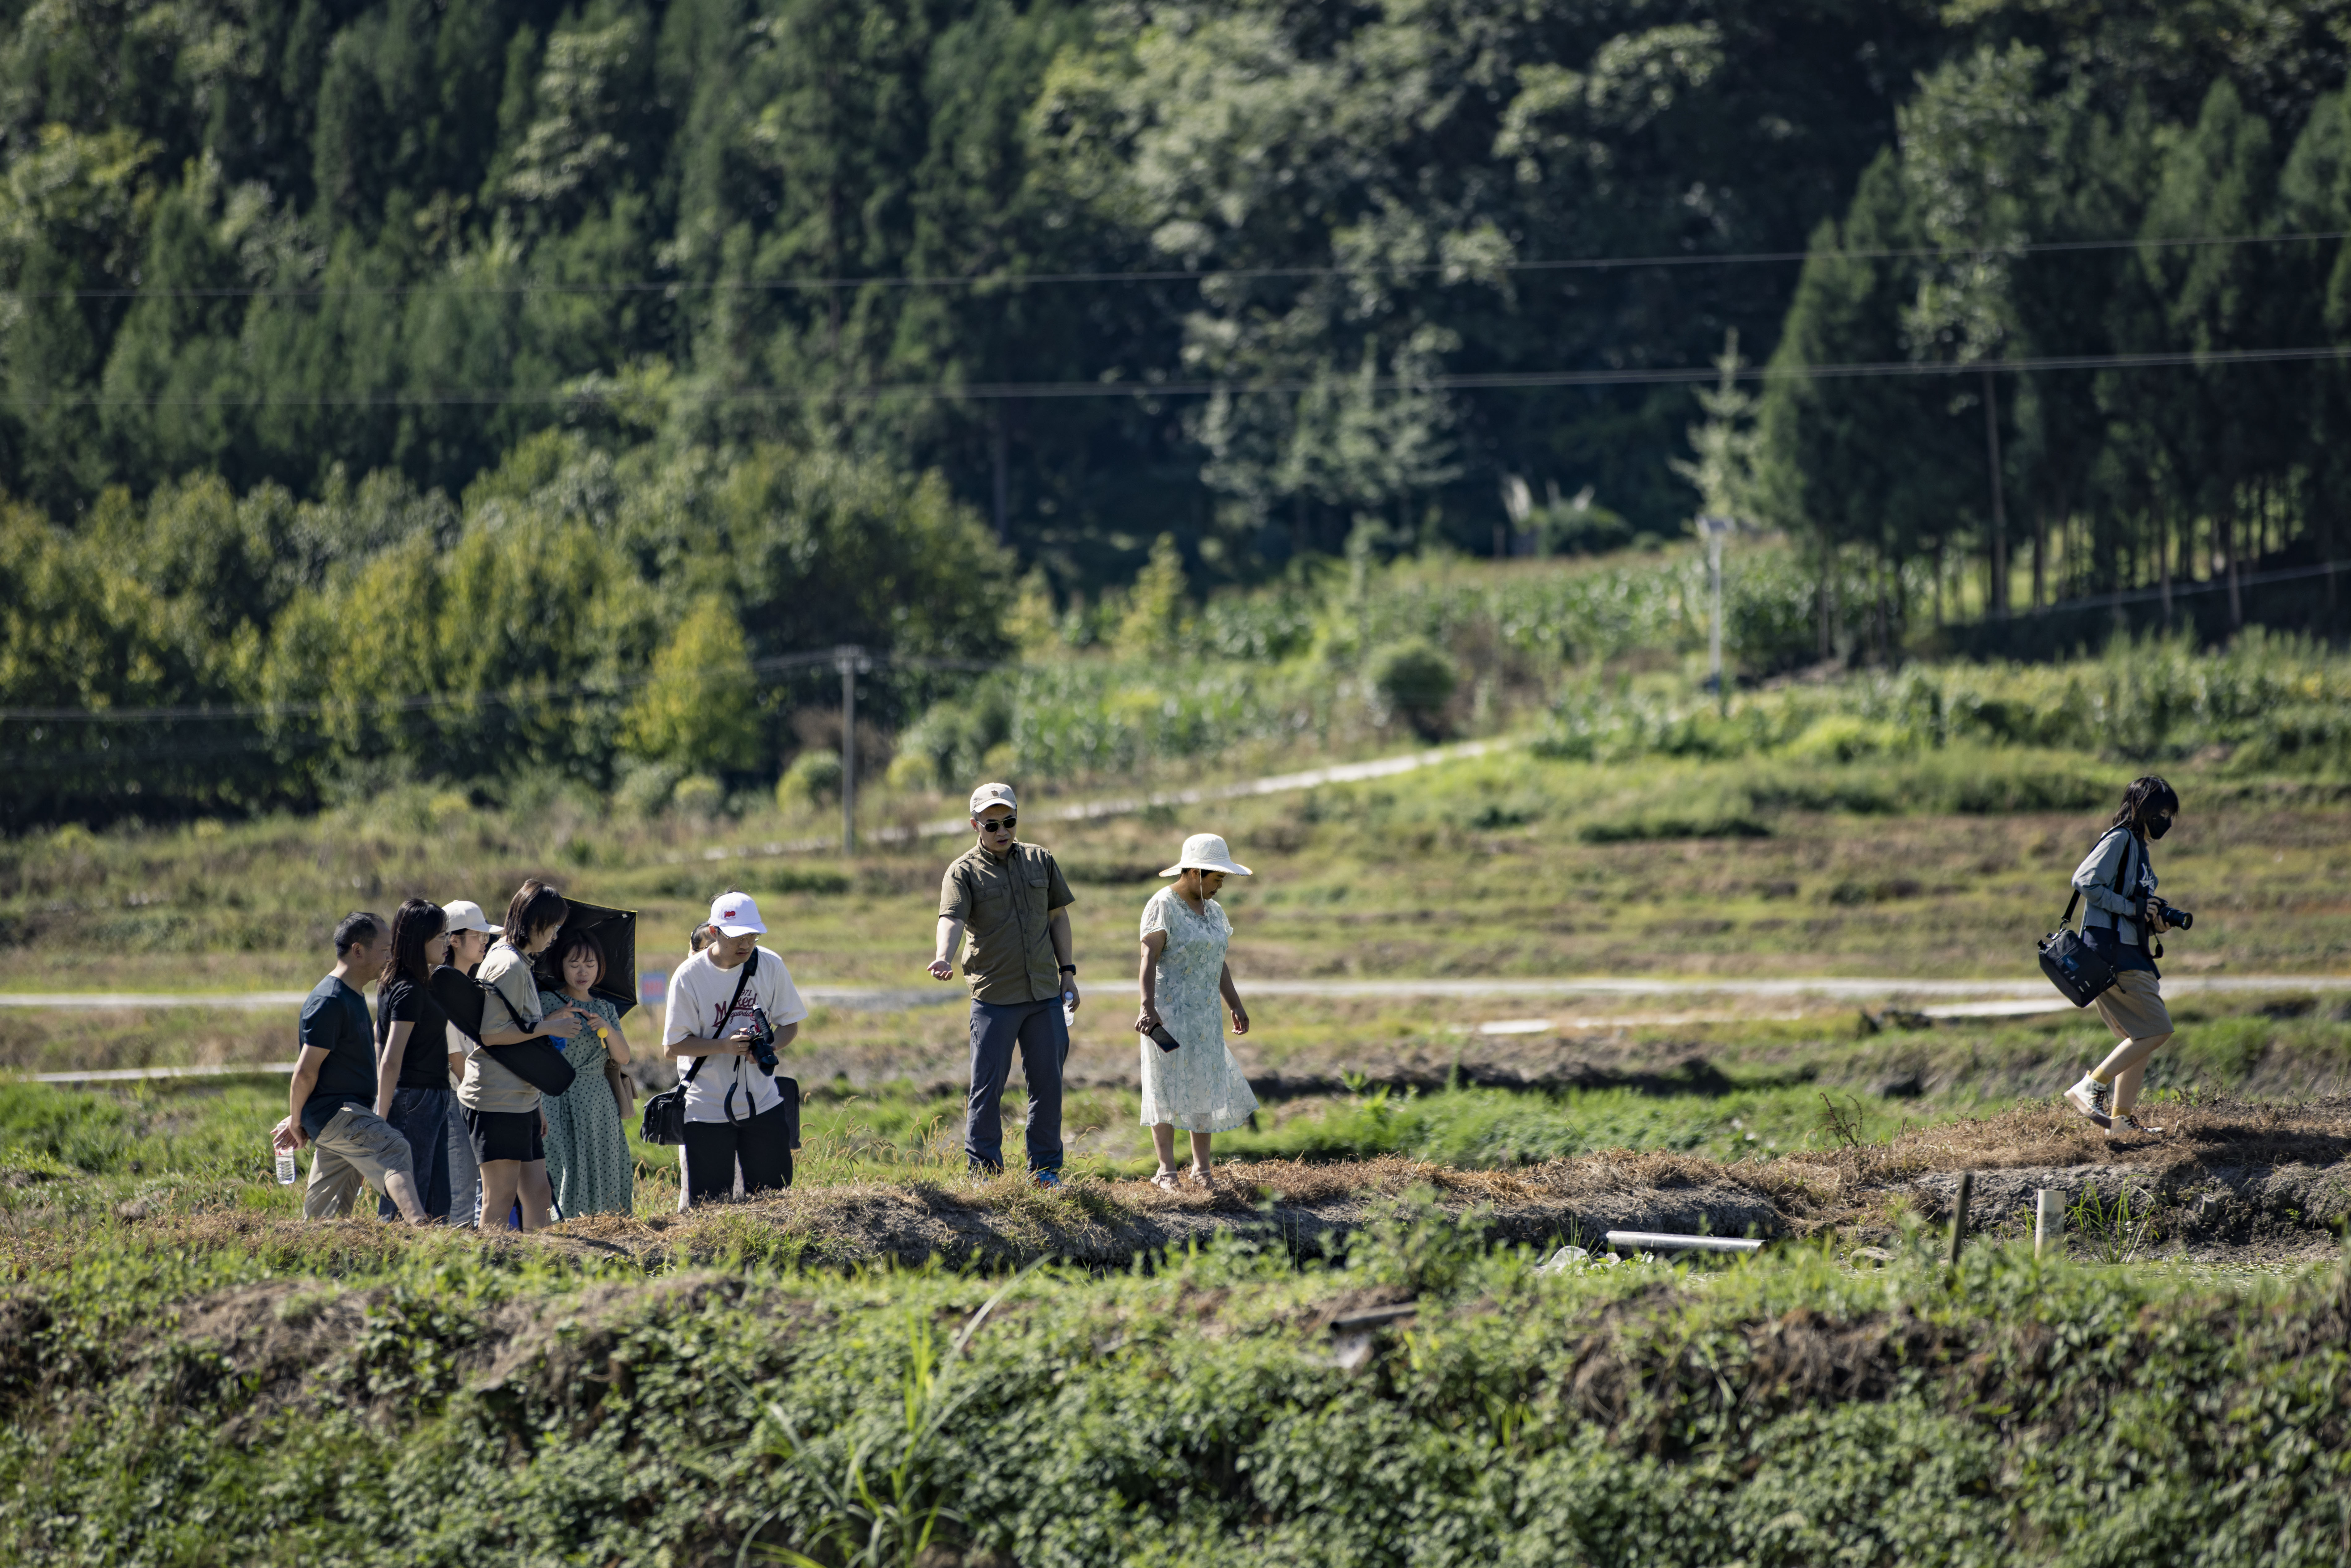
pixel 464 915
pixel 1207 852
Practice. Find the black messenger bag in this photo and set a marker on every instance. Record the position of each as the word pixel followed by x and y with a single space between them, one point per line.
pixel 2073 966
pixel 535 1061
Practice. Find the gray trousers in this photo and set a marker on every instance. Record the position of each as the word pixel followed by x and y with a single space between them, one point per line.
pixel 465 1172
pixel 1043 1037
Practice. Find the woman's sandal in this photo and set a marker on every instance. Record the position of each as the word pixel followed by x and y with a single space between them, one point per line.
pixel 1194 1174
pixel 1165 1182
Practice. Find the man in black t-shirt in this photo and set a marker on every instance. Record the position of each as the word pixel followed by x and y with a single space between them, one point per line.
pixel 330 1104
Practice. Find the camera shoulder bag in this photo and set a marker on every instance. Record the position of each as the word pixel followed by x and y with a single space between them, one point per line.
pixel 466 1001
pixel 665 1112
pixel 534 1060
pixel 2073 966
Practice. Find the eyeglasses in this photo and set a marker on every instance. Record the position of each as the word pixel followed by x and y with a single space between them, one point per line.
pixel 1000 825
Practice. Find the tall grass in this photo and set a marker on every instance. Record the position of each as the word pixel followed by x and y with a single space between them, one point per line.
pixel 2268 703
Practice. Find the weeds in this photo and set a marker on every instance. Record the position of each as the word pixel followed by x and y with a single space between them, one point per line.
pixel 2113 1231
pixel 879 1509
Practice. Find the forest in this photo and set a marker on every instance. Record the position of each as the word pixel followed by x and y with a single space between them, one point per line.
pixel 370 367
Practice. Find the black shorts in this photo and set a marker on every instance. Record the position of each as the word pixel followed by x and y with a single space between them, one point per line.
pixel 505 1135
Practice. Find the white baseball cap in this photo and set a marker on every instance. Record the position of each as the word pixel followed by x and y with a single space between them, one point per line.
pixel 1207 852
pixel 464 915
pixel 736 914
pixel 988 795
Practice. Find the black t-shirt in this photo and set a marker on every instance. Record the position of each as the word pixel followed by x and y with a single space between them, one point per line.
pixel 426 1064
pixel 335 1021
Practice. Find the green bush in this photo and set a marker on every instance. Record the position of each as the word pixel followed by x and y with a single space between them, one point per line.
pixel 813 779
pixel 440 1402
pixel 1417 680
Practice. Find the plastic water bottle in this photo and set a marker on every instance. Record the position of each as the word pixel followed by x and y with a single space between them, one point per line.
pixel 1069 1012
pixel 285 1163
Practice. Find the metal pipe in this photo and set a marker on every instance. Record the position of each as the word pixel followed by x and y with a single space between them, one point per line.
pixel 1662 1241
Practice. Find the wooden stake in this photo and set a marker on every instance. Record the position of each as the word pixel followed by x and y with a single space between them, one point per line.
pixel 1960 1214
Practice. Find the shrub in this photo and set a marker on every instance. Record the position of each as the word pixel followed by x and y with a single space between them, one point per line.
pixel 1416 679
pixel 813 778
pixel 698 795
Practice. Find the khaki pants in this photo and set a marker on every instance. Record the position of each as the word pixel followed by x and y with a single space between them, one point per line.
pixel 2132 1008
pixel 358 1148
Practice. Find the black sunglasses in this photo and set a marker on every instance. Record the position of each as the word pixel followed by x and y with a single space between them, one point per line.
pixel 1001 825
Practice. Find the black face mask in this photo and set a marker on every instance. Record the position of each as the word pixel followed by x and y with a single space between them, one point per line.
pixel 2158 826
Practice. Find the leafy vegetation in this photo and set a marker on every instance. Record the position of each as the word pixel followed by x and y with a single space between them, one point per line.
pixel 379 1403
pixel 459 397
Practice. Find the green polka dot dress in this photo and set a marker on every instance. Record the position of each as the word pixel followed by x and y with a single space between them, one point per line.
pixel 588 1160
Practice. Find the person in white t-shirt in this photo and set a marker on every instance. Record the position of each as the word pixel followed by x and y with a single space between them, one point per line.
pixel 739 1116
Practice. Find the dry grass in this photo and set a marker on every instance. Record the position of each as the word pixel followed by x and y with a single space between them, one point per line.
pixel 1107 1222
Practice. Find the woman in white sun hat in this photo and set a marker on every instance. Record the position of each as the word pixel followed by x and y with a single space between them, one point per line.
pixel 1189 1076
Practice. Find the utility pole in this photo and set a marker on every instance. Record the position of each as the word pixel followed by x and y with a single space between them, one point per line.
pixel 1715 528
pixel 850 661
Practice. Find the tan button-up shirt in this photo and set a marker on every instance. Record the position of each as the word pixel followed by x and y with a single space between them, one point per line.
pixel 1004 901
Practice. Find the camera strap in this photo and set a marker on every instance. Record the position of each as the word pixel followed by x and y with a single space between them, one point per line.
pixel 728 1105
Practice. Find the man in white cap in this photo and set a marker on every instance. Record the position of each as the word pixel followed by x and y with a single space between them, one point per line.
pixel 1014 901
pixel 740 1115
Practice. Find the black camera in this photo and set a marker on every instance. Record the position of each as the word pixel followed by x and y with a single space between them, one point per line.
pixel 761 1047
pixel 2180 919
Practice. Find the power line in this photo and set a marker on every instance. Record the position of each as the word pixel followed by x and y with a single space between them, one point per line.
pixel 1469 381
pixel 1014 280
pixel 513 696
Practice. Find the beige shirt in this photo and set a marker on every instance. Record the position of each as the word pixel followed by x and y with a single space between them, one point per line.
pixel 488 1085
pixel 1004 901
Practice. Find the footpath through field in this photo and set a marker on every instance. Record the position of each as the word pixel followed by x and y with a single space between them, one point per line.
pixel 1130 805
pixel 1960 999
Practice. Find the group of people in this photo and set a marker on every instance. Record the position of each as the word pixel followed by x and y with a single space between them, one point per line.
pixel 412 1105
pixel 407 1103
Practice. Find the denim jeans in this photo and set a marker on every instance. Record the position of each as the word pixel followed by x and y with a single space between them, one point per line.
pixel 1043 1037
pixel 421 1117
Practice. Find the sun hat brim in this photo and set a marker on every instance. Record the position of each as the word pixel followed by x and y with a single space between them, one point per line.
pixel 1231 868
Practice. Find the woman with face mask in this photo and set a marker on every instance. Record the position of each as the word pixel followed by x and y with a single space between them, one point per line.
pixel 2117 886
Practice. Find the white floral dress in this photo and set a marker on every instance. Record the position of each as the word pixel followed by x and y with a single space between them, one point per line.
pixel 1197 1086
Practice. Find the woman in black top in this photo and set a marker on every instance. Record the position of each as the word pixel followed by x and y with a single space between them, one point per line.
pixel 413 1053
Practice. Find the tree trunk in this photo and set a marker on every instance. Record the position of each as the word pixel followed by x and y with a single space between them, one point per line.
pixel 2040 558
pixel 1000 459
pixel 1997 605
pixel 1828 643
pixel 2227 524
pixel 2163 565
pixel 1885 629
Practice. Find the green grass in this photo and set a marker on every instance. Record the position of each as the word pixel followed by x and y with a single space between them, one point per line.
pixel 299 1396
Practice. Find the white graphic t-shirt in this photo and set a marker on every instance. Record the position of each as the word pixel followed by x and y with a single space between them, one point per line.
pixel 698 994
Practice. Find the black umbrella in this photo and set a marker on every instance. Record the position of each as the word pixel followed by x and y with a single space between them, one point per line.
pixel 615 931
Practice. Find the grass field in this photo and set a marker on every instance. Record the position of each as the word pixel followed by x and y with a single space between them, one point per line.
pixel 896 1362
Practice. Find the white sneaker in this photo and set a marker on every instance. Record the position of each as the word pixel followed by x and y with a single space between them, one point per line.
pixel 2093 1099
pixel 2126 1123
